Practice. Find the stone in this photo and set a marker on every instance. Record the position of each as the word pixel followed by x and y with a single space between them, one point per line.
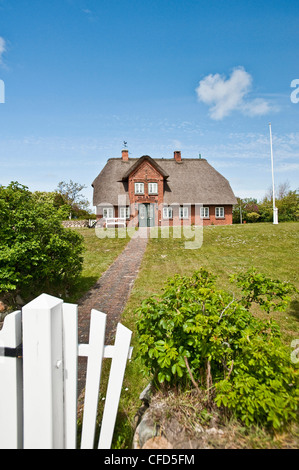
pixel 19 300
pixel 188 444
pixel 158 442
pixel 145 395
pixel 146 429
pixel 173 430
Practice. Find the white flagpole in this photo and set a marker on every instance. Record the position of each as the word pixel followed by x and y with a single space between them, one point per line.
pixel 275 210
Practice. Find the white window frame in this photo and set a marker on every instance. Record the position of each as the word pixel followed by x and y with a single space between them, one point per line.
pixel 108 212
pixel 153 188
pixel 139 188
pixel 184 212
pixel 124 212
pixel 167 212
pixel 219 212
pixel 204 212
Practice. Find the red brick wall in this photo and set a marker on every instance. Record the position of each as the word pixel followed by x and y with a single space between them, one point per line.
pixel 227 220
pixel 145 173
pixel 194 218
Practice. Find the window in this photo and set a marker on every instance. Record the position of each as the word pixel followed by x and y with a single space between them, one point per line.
pixel 219 212
pixel 153 188
pixel 184 212
pixel 124 212
pixel 139 188
pixel 204 212
pixel 167 212
pixel 108 212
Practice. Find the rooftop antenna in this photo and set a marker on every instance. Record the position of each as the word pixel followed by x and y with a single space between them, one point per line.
pixel 125 144
pixel 275 210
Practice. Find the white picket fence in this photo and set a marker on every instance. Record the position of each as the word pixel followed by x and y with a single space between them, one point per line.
pixel 38 384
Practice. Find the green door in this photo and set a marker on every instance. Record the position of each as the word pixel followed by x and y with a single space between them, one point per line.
pixel 146 215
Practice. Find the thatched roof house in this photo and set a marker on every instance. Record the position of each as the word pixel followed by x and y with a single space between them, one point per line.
pixel 157 191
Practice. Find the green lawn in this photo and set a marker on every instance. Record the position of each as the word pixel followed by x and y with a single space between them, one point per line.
pixel 273 250
pixel 99 254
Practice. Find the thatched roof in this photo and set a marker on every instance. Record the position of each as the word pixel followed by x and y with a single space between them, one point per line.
pixel 141 160
pixel 190 181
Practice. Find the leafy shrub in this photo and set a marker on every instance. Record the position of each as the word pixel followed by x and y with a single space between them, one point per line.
pixel 287 203
pixel 270 294
pixel 36 252
pixel 197 333
pixel 253 216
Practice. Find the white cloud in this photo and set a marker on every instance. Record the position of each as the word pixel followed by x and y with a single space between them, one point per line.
pixel 257 107
pixel 2 48
pixel 225 95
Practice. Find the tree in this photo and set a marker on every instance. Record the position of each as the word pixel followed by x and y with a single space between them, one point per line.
pixel 244 207
pixel 37 253
pixel 53 198
pixel 71 196
pixel 288 206
pixel 287 202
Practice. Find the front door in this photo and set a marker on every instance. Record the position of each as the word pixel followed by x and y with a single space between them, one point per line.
pixel 146 215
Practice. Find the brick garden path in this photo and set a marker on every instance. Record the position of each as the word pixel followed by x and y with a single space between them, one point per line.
pixel 110 294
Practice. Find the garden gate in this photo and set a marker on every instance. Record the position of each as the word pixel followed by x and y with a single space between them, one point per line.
pixel 38 377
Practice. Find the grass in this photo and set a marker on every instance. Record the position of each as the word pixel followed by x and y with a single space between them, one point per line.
pixel 272 249
pixel 99 254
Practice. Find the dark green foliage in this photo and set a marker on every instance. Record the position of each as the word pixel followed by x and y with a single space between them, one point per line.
pixel 250 210
pixel 270 294
pixel 36 253
pixel 238 358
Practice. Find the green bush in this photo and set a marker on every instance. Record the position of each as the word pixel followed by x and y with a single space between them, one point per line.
pixel 197 333
pixel 269 294
pixel 36 253
pixel 253 216
pixel 287 203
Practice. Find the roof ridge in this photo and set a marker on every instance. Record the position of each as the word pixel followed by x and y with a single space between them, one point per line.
pixel 158 158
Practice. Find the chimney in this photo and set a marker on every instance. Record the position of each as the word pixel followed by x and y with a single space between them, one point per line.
pixel 125 155
pixel 177 156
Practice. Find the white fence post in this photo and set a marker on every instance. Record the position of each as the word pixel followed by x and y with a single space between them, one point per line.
pixel 11 384
pixel 121 352
pixel 38 393
pixel 70 369
pixel 93 377
pixel 43 374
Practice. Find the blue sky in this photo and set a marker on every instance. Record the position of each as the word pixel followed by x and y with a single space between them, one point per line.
pixel 204 77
